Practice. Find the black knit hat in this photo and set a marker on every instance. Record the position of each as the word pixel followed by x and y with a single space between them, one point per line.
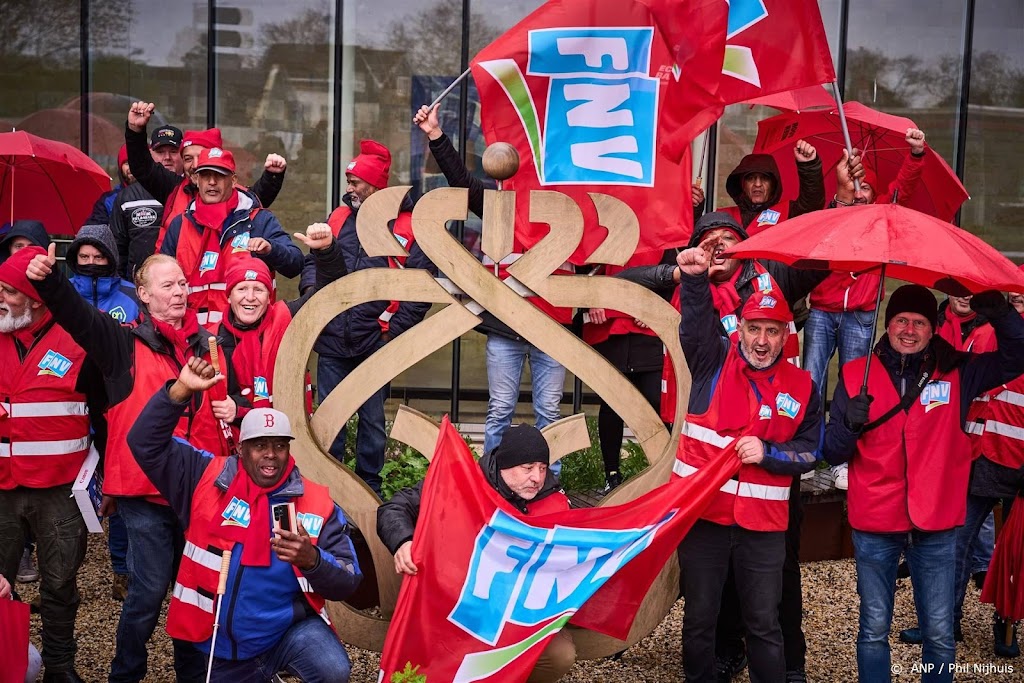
pixel 521 444
pixel 714 221
pixel 913 299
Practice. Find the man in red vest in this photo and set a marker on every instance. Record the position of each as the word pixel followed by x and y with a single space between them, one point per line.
pixel 909 469
pixel 47 387
pixel 744 398
pixel 289 543
pixel 518 470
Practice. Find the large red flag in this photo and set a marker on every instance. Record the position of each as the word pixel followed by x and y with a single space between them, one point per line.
pixel 588 90
pixel 495 585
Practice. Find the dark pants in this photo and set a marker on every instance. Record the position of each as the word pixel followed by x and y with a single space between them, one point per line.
pixel 117 542
pixel 155 541
pixel 309 650
pixel 371 437
pixel 729 636
pixel 756 558
pixel 52 516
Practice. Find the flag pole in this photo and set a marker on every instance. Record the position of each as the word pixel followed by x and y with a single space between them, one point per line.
pixel 446 91
pixel 844 126
pixel 703 153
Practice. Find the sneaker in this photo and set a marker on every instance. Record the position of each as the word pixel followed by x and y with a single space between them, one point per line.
pixel 119 587
pixel 69 676
pixel 796 676
pixel 913 636
pixel 27 571
pixel 611 480
pixel 1000 646
pixel 728 668
pixel 841 476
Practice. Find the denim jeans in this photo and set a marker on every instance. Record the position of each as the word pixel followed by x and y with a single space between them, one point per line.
pixel 932 576
pixel 978 511
pixel 52 515
pixel 117 542
pixel 371 436
pixel 154 547
pixel 505 360
pixel 849 331
pixel 309 650
pixel 983 546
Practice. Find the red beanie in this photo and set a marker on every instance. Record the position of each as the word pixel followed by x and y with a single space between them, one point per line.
pixel 766 306
pixel 871 179
pixel 249 270
pixel 204 138
pixel 12 271
pixel 122 156
pixel 373 163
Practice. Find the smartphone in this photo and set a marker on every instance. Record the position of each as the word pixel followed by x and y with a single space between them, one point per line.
pixel 284 516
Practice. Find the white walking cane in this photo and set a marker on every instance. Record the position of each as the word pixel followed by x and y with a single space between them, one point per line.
pixel 225 563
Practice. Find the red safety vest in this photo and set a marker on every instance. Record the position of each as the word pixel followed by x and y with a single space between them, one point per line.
pixel 44 420
pixel 757 499
pixel 995 421
pixel 619 322
pixel 556 502
pixel 950 330
pixel 764 220
pixel 791 352
pixel 910 472
pixel 191 612
pixel 841 292
pixel 122 475
pixel 177 203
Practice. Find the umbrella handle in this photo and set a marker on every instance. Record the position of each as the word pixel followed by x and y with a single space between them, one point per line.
pixel 849 146
pixel 874 327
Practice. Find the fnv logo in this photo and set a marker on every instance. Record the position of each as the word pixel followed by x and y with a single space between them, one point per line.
pixel 260 390
pixel 236 513
pixel 765 413
pixel 730 323
pixel 768 302
pixel 240 242
pixel 600 123
pixel 787 405
pixel 764 282
pixel 768 217
pixel 209 261
pixel 935 394
pixel 312 523
pixel 54 364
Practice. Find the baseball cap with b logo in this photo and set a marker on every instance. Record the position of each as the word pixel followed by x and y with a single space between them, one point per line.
pixel 261 422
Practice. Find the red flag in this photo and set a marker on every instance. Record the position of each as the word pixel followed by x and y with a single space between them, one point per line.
pixel 495 585
pixel 13 640
pixel 590 92
pixel 773 46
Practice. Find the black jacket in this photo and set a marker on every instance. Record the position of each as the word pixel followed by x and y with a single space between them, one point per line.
pixel 135 222
pixel 812 186
pixel 160 182
pixel 396 519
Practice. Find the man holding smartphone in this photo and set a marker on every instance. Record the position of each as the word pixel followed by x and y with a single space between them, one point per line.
pixel 289 543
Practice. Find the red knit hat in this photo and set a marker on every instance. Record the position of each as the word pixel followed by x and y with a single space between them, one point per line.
pixel 204 138
pixel 12 271
pixel 766 306
pixel 871 178
pixel 248 270
pixel 373 163
pixel 122 156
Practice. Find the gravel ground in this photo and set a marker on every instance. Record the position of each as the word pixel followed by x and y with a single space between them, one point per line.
pixel 830 624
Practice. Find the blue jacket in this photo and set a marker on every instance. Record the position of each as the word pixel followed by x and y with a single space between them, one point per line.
pixel 262 602
pixel 111 295
pixel 284 256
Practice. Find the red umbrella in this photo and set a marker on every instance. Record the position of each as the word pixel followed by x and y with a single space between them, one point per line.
pixel 47 181
pixel 803 99
pixel 880 136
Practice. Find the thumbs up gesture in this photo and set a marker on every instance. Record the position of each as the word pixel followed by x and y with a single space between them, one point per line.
pixel 42 265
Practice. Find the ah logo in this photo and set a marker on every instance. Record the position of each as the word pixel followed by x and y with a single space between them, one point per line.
pixel 768 217
pixel 259 388
pixel 209 261
pixel 765 413
pixel 236 513
pixel 54 364
pixel 764 282
pixel 240 242
pixel 730 323
pixel 118 313
pixel 787 405
pixel 312 523
pixel 521 574
pixel 768 302
pixel 601 119
pixel 935 394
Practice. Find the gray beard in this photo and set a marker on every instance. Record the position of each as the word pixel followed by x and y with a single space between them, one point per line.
pixel 749 357
pixel 10 323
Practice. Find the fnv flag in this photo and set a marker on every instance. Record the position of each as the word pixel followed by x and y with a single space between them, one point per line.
pixel 495 585
pixel 586 91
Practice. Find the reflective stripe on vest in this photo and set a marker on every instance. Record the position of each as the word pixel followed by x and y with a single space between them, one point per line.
pixel 193 597
pixel 216 286
pixel 203 557
pixel 20 448
pixel 705 435
pixel 743 489
pixel 993 427
pixel 208 317
pixel 45 409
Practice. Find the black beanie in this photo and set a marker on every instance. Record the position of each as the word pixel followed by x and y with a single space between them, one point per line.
pixel 521 444
pixel 913 299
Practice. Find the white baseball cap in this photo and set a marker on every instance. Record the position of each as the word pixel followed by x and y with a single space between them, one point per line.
pixel 265 422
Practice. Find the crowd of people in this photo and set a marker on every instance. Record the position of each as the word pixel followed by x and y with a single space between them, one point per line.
pixel 157 352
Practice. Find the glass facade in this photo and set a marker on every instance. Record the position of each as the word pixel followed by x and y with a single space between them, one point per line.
pixel 309 79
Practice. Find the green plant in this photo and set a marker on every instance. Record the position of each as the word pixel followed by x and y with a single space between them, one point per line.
pixel 408 675
pixel 584 469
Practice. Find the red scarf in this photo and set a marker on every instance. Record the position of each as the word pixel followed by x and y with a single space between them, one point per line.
pixel 734 392
pixel 27 336
pixel 256 352
pixel 724 296
pixel 212 216
pixel 255 537
pixel 178 337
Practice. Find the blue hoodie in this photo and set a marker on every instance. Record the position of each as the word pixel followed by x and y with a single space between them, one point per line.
pixel 108 293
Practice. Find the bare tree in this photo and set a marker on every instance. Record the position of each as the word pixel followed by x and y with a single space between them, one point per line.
pixel 430 37
pixel 53 32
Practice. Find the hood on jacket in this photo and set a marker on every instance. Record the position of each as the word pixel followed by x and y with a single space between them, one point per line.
pixel 713 221
pixel 33 230
pixel 754 163
pixel 489 465
pixel 98 236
